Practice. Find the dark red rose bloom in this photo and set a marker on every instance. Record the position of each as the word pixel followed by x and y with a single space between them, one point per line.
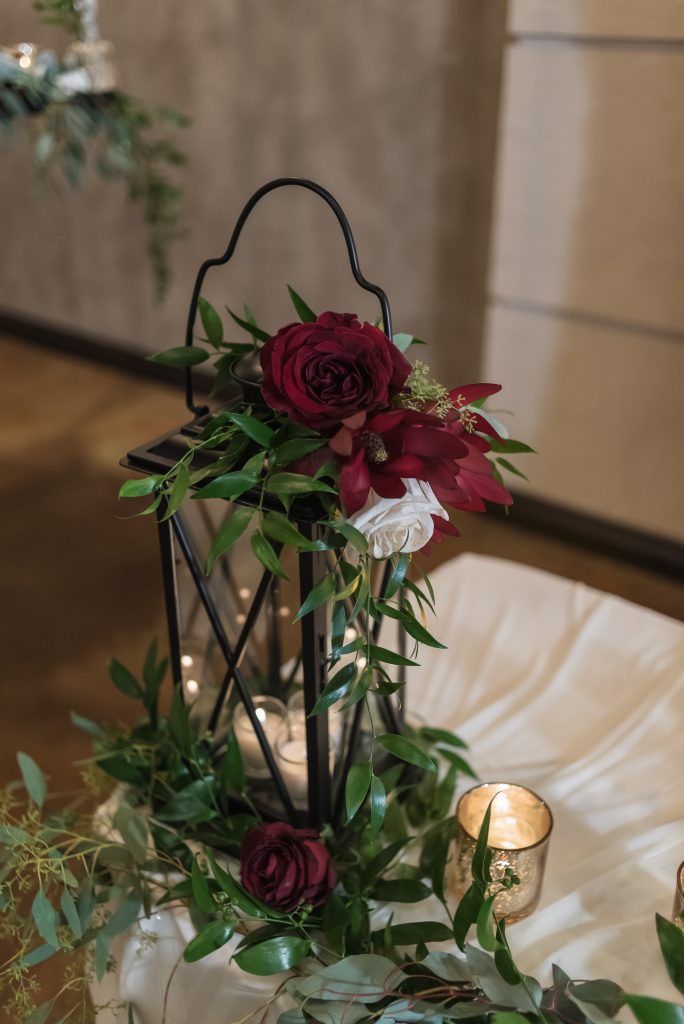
pixel 331 371
pixel 402 444
pixel 285 866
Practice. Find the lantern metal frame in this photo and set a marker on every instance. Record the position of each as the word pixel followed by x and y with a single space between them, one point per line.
pixel 325 792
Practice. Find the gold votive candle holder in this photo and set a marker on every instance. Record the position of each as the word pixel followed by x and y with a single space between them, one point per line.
pixel 519 831
pixel 678 905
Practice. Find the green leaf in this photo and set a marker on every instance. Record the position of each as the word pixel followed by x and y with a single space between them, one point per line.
pixel 363 977
pixel 389 657
pixel 525 998
pixel 212 937
pixel 134 831
pixel 40 1014
pixel 257 333
pixel 509 1017
pixel 322 592
pixel 86 725
pixel 297 448
pixel 511 468
pixel 70 912
pixel 401 890
pixel 102 944
pixel 406 750
pixel 280 528
pixel 139 488
pixel 33 779
pixel 434 735
pixel 357 786
pixel 671 939
pixel 37 956
pixel 274 955
pixel 228 485
pixel 466 914
pixel 378 804
pixel 482 858
pixel 126 913
pixel 178 491
pixel 124 679
pixel 211 322
pixel 304 312
pixel 459 763
pixel 397 577
pixel 448 966
pixel 248 904
pixel 234 526
pixel 45 917
pixel 418 931
pixel 336 688
pixel 264 551
pixel 599 1000
pixel 655 1011
pixel 410 624
pixel 297 483
pixel 200 889
pixel 404 341
pixel 354 536
pixel 360 690
pixel 190 805
pixel 252 427
pixel 184 355
pixel 509 446
pixel 232 772
pixel 486 934
pixel 179 727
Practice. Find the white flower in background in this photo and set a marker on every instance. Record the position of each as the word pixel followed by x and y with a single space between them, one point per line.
pixel 391 525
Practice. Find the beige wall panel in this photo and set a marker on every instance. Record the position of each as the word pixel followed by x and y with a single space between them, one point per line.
pixel 590 195
pixel 604 408
pixel 660 19
pixel 385 104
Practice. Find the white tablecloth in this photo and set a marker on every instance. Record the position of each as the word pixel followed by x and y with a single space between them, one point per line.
pixel 575 693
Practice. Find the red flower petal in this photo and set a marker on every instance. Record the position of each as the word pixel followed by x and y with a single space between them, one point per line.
pixel 435 443
pixel 355 483
pixel 342 442
pixel 471 392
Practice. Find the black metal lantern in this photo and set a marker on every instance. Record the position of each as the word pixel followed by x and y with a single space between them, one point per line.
pixel 231 637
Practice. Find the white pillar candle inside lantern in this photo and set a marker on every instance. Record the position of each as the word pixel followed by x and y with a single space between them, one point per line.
pixel 271 714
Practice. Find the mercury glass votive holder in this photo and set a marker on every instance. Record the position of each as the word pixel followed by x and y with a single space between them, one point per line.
pixel 678 905
pixel 519 831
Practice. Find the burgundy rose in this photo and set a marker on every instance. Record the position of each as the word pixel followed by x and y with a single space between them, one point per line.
pixel 331 371
pixel 285 866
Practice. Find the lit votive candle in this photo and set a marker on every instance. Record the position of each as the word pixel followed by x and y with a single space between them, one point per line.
pixel 293 763
pixel 519 831
pixel 271 714
pixel 678 906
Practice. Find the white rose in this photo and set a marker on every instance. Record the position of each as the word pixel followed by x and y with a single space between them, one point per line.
pixel 399 524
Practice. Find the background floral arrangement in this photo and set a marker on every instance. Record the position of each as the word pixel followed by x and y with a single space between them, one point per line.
pixel 348 423
pixel 73 124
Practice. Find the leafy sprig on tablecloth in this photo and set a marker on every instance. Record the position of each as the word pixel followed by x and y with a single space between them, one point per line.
pixel 71 883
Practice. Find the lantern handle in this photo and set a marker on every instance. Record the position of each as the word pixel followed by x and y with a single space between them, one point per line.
pixel 222 260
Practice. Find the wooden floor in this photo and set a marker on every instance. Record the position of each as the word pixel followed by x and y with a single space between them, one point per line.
pixel 80 581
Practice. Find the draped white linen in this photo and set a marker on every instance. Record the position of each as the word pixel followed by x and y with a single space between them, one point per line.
pixel 575 693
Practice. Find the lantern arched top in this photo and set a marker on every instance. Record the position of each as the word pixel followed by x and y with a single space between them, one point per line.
pixel 218 261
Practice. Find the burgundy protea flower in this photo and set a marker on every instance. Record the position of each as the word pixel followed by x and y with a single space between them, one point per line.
pixel 403 444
